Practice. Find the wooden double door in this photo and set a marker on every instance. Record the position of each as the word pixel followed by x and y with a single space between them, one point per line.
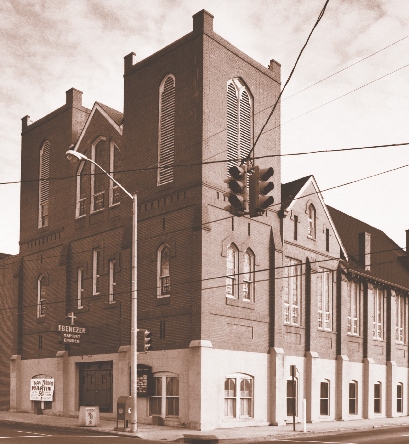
pixel 96 385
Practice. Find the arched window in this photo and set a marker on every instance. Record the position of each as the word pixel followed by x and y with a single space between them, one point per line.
pixel 248 275
pixel 114 195
pixel 311 221
pixel 41 296
pixel 232 271
pixel 44 185
pixel 163 271
pixel 166 151
pixel 238 396
pixel 81 192
pixel 100 155
pixel 239 122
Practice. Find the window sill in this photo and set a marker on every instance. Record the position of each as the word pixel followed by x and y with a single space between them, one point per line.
pixel 96 211
pixel 108 305
pixel 115 205
pixel 80 217
pixel 240 303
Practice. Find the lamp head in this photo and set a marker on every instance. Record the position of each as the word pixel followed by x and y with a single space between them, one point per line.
pixel 75 156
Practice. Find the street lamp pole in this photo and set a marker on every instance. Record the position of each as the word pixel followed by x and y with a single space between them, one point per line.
pixel 74 156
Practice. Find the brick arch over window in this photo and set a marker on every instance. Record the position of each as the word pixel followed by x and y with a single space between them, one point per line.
pixel 239 121
pixel 166 137
pixel 44 185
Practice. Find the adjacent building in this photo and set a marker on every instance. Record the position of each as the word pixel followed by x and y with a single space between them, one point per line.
pixel 232 302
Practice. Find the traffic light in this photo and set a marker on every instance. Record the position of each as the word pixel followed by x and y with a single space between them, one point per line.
pixel 147 346
pixel 237 196
pixel 259 187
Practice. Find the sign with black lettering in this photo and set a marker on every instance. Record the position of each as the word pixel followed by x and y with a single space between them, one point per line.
pixel 41 389
pixel 144 380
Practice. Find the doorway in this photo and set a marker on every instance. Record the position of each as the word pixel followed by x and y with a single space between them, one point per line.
pixel 96 385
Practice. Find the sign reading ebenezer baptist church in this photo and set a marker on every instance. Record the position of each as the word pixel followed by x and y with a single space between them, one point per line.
pixel 71 334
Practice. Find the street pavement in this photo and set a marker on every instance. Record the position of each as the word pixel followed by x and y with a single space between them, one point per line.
pixel 232 435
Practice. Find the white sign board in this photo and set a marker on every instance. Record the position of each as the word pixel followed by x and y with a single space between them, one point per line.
pixel 42 389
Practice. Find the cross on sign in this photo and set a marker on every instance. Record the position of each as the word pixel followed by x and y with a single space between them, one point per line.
pixel 72 317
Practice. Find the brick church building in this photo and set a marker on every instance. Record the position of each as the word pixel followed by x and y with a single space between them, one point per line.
pixel 232 302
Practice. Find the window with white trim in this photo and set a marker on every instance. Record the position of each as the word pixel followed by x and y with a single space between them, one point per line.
pixel 239 122
pixel 354 304
pixel 238 396
pixel 80 287
pixel 232 271
pixel 81 191
pixel 166 149
pixel 44 185
pixel 401 318
pixel 41 297
pixel 379 303
pixel 399 398
pixel 111 282
pixel 163 284
pixel 353 398
pixel 324 398
pixel 248 275
pixel 96 265
pixel 292 291
pixel 312 221
pixel 325 299
pixel 377 398
pixel 100 155
pixel 165 399
pixel 114 194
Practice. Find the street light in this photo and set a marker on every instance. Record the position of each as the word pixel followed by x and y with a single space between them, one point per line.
pixel 74 156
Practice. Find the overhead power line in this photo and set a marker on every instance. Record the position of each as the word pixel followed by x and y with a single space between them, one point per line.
pixel 321 14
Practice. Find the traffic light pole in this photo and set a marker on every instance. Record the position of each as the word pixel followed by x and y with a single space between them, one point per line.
pixel 134 320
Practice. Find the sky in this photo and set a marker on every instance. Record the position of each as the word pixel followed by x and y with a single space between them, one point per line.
pixel 50 46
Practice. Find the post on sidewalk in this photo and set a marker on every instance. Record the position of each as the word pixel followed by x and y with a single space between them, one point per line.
pixel 304 415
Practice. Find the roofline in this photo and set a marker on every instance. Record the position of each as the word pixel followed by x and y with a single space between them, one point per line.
pixel 375 279
pixel 87 123
pixel 298 196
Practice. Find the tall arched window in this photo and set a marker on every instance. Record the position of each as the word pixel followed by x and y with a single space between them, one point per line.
pixel 166 151
pixel 311 221
pixel 232 271
pixel 81 192
pixel 41 297
pixel 248 275
pixel 100 155
pixel 163 271
pixel 239 122
pixel 44 185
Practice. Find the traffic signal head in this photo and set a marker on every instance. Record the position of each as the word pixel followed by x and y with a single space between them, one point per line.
pixel 237 196
pixel 259 187
pixel 147 346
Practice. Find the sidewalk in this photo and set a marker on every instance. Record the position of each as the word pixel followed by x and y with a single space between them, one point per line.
pixel 233 435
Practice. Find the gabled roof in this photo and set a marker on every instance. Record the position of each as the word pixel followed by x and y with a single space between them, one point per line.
pixel 113 116
pixel 387 258
pixel 116 116
pixel 290 190
pixel 293 191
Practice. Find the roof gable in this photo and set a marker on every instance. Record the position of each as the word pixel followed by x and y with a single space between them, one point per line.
pixel 291 192
pixel 112 116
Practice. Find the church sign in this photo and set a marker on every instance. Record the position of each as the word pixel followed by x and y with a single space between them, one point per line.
pixel 70 334
pixel 41 389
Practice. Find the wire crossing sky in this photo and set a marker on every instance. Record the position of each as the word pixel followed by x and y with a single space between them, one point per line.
pixel 82 43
